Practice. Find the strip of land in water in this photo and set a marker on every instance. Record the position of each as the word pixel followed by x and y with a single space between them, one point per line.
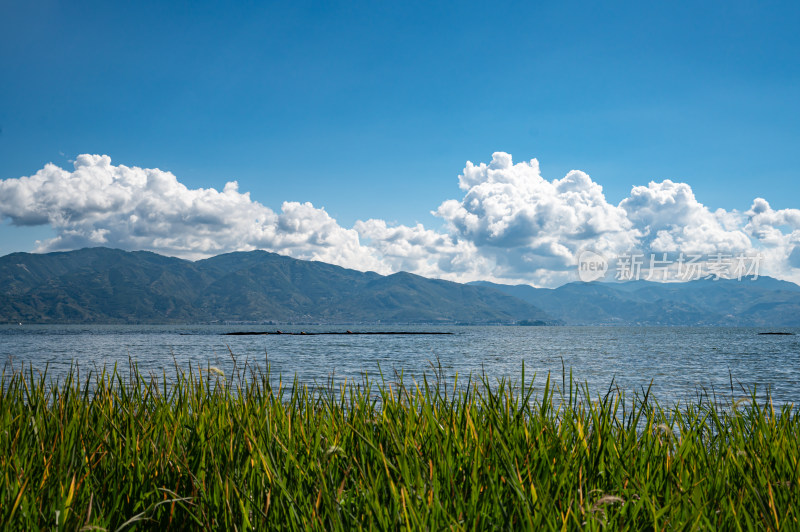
pixel 303 333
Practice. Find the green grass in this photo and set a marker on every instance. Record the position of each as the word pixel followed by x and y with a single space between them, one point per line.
pixel 108 451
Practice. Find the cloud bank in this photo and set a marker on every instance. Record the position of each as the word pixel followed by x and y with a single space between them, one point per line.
pixel 511 225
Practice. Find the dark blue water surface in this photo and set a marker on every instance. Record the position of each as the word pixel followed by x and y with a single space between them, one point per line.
pixel 679 361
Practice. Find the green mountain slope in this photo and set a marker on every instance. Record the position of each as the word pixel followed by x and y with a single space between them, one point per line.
pixel 111 286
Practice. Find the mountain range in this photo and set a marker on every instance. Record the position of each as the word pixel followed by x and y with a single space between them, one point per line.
pixel 101 285
pixel 751 301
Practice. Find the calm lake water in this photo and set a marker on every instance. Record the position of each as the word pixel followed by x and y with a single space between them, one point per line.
pixel 679 361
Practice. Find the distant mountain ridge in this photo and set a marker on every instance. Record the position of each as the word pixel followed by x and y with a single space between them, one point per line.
pixel 101 285
pixel 763 301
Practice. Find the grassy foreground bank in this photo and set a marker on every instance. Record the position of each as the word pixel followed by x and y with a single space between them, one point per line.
pixel 111 452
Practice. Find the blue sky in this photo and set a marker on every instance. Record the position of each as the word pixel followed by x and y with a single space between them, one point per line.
pixel 371 110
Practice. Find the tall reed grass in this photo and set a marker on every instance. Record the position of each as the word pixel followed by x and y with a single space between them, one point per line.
pixel 203 450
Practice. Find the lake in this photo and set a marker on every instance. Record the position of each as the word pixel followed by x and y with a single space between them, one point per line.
pixel 679 361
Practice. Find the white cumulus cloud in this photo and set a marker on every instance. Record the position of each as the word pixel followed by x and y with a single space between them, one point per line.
pixel 530 225
pixel 672 220
pixel 511 225
pixel 424 251
pixel 100 204
pixel 777 233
